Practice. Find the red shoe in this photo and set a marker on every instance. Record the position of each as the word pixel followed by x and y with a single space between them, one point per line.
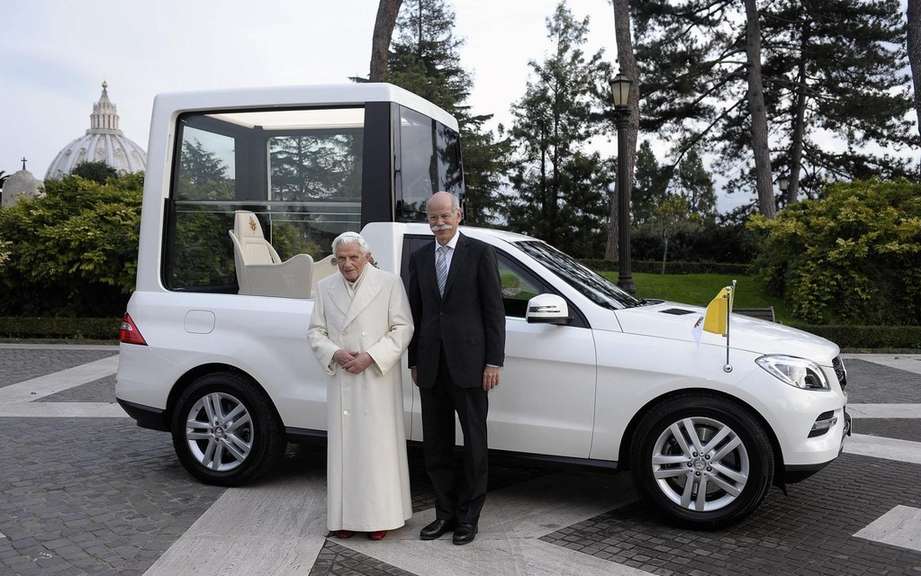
pixel 379 535
pixel 343 534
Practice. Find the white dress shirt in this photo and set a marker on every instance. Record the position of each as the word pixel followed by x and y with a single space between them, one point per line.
pixel 452 244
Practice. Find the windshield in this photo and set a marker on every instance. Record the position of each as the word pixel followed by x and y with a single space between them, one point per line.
pixel 596 288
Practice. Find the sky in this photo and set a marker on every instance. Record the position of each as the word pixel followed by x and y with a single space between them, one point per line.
pixel 54 56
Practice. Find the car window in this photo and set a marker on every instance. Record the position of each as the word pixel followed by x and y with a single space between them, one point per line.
pixel 596 288
pixel 518 286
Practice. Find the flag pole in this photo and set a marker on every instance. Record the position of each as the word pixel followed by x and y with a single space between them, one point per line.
pixel 727 368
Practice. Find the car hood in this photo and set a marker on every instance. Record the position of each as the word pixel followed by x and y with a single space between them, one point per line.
pixel 676 321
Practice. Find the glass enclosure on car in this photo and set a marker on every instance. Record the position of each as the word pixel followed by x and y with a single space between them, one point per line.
pixel 308 174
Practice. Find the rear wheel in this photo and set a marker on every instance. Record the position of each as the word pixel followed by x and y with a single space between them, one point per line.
pixel 224 430
pixel 704 460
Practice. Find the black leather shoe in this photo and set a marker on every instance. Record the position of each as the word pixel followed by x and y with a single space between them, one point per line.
pixel 437 529
pixel 464 533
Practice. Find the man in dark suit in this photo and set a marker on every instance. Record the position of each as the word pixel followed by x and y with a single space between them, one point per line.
pixel 456 355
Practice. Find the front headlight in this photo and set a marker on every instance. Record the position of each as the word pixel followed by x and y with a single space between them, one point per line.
pixel 795 371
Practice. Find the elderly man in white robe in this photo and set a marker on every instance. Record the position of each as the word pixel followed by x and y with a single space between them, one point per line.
pixel 360 326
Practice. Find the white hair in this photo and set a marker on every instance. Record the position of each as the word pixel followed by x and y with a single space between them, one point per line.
pixel 455 201
pixel 351 238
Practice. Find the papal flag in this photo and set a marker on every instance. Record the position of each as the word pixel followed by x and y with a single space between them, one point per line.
pixel 716 319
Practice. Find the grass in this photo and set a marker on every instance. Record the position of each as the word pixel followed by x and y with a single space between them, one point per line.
pixel 699 289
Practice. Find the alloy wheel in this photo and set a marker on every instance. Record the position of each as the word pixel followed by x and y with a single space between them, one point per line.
pixel 700 464
pixel 219 431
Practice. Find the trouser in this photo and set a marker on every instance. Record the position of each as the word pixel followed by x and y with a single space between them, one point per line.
pixel 460 498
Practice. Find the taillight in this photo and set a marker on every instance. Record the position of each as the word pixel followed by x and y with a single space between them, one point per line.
pixel 129 333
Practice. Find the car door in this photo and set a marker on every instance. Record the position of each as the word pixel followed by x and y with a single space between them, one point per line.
pixel 545 401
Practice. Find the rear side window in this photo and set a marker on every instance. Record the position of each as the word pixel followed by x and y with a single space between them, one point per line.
pixel 429 161
pixel 299 171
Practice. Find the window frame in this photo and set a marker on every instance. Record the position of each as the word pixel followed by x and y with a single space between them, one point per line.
pixel 376 195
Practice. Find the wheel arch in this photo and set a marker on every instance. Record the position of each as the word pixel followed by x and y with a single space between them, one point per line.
pixel 627 439
pixel 211 368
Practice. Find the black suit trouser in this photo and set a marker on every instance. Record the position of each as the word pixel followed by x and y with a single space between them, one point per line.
pixel 455 498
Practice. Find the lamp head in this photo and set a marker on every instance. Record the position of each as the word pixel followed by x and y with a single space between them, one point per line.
pixel 620 91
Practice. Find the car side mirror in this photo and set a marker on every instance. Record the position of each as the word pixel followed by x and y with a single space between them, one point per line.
pixel 547 309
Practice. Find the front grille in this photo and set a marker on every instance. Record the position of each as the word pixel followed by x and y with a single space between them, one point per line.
pixel 840 371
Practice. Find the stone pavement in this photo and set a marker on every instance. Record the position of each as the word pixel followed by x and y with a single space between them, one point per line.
pixel 84 491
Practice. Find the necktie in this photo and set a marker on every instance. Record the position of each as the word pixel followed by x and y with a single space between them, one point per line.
pixel 441 268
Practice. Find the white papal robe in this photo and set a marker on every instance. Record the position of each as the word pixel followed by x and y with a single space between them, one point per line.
pixel 367 473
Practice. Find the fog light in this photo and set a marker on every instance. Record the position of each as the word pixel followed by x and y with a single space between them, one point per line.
pixel 823 424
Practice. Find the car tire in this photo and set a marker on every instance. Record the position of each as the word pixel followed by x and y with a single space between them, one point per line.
pixel 225 431
pixel 729 476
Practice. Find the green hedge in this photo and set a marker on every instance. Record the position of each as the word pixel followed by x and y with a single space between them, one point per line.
pixel 60 327
pixel 653 267
pixel 867 336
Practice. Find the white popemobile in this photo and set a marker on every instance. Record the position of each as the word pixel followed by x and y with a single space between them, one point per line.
pixel 243 193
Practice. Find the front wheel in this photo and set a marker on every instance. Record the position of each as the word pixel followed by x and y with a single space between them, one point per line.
pixel 706 461
pixel 224 431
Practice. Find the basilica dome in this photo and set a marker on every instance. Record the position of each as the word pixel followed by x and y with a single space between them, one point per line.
pixel 103 142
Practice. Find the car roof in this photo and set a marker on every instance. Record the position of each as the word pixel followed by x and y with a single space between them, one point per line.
pixel 306 95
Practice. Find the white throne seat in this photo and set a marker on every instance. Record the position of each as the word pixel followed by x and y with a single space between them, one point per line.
pixel 260 271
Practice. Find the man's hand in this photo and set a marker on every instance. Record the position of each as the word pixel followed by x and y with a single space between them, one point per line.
pixel 343 357
pixel 490 378
pixel 413 372
pixel 359 363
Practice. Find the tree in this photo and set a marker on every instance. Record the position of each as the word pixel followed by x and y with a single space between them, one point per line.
pixel 72 251
pixel 95 171
pixel 668 216
pixel 764 184
pixel 914 53
pixel 693 183
pixel 827 67
pixel 559 186
pixel 424 58
pixel 649 185
pixel 387 11
pixel 628 68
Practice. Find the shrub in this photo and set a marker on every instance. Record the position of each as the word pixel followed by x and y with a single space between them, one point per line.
pixel 63 328
pixel 868 336
pixel 851 257
pixel 72 252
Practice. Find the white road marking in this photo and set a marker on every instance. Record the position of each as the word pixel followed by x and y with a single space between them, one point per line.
pixel 18 400
pixel 888 448
pixel 62 410
pixel 884 410
pixel 900 526
pixel 907 362
pixel 275 529
pixel 511 522
pixel 36 388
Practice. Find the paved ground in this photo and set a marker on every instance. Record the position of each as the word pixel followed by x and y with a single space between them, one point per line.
pixel 97 495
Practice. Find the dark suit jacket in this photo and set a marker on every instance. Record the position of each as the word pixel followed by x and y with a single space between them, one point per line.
pixel 469 321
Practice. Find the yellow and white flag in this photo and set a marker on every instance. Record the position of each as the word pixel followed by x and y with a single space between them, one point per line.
pixel 716 320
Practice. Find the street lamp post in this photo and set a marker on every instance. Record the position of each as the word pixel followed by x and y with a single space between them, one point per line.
pixel 620 93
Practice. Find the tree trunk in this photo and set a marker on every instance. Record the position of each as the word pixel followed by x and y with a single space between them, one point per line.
pixel 665 255
pixel 799 121
pixel 914 52
pixel 756 106
pixel 387 11
pixel 627 61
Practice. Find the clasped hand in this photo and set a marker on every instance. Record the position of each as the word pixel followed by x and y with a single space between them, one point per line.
pixel 352 362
